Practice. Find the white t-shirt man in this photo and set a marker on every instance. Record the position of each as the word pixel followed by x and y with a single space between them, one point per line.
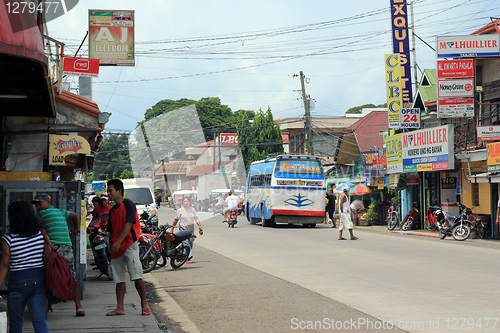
pixel 232 202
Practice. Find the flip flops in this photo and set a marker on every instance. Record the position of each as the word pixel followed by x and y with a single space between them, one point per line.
pixel 342 238
pixel 80 313
pixel 355 238
pixel 114 313
pixel 146 311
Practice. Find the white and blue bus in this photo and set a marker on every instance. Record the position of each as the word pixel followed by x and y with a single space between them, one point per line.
pixel 286 189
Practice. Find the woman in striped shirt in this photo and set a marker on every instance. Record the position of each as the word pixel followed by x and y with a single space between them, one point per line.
pixel 23 247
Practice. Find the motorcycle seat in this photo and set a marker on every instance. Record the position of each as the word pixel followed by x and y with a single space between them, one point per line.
pixel 182 235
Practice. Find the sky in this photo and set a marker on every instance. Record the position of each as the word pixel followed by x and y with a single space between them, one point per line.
pixel 249 53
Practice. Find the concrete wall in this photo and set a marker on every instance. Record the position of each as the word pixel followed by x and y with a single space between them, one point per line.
pixel 483 188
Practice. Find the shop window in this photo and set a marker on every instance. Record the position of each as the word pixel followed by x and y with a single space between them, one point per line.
pixel 475 194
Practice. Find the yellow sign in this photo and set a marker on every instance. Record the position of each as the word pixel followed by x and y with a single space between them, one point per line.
pixel 493 156
pixel 394 88
pixel 25 176
pixel 63 149
pixel 424 167
pixel 394 149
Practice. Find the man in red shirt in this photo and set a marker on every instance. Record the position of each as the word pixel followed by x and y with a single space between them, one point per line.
pixel 124 228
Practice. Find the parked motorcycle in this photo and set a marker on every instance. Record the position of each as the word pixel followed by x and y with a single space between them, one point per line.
pixel 392 216
pixel 99 242
pixel 149 216
pixel 480 225
pixel 412 219
pixel 430 219
pixel 164 245
pixel 459 227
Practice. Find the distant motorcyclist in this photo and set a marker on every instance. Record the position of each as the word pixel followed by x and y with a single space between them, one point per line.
pixel 232 202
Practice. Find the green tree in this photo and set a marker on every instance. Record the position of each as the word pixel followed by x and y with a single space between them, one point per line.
pixel 357 109
pixel 260 138
pixel 113 160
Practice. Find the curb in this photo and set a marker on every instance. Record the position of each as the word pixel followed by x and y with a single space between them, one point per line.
pixel 172 309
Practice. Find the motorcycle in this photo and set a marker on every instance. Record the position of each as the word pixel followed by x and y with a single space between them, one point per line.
pixel 480 225
pixel 99 242
pixel 459 227
pixel 149 217
pixel 155 248
pixel 392 216
pixel 412 219
pixel 233 215
pixel 430 219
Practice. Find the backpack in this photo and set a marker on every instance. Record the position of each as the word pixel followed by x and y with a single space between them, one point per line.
pixel 59 281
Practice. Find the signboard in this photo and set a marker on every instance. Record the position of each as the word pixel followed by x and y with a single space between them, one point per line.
pixel 410 118
pixel 394 90
pixel 468 46
pixel 63 149
pixel 455 88
pixel 493 156
pixel 394 153
pixel 455 108
pixel 228 139
pixel 147 174
pixel 429 149
pixel 179 184
pixel 401 45
pixel 370 165
pixel 111 37
pixel 449 69
pixel 81 66
pixel 488 133
pixel 449 183
pixel 412 181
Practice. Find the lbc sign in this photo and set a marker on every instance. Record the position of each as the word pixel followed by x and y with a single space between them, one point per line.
pixel 228 139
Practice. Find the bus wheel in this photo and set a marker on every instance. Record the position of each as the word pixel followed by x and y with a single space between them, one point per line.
pixel 265 222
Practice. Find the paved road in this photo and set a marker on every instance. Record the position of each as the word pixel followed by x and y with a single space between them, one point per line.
pixel 419 283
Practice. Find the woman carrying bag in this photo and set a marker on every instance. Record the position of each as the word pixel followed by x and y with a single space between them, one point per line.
pixel 23 248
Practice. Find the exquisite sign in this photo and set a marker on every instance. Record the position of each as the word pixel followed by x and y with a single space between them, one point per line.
pixel 401 45
pixel 394 91
pixel 449 69
pixel 488 133
pixel 111 36
pixel 493 156
pixel 468 46
pixel 455 108
pixel 455 88
pixel 81 66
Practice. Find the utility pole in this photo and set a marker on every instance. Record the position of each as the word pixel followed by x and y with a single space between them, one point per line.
pixel 307 104
pixel 414 49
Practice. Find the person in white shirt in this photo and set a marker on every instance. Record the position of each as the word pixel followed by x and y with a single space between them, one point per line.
pixel 345 215
pixel 232 204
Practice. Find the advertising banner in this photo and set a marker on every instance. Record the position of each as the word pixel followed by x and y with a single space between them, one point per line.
pixel 370 165
pixel 455 108
pixel 455 88
pixel 468 46
pixel 410 118
pixel 111 37
pixel 493 156
pixel 394 153
pixel 394 93
pixel 81 66
pixel 488 133
pixel 63 149
pixel 429 149
pixel 401 45
pixel 228 139
pixel 449 69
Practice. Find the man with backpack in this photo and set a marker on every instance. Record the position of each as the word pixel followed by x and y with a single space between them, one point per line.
pixel 124 229
pixel 54 221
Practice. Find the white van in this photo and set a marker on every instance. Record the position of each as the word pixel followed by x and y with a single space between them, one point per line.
pixel 140 191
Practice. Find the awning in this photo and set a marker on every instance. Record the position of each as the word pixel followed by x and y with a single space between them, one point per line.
pixel 485 177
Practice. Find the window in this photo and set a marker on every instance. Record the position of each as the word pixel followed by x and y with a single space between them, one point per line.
pixel 475 194
pixel 260 180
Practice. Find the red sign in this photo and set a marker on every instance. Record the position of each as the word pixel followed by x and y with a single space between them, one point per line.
pixel 412 181
pixel 81 66
pixel 449 69
pixel 228 139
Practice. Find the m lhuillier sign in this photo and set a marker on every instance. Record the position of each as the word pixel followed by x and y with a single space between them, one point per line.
pixel 468 46
pixel 455 88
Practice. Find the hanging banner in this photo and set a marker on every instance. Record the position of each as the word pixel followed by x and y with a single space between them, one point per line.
pixel 394 91
pixel 468 46
pixel 455 108
pixel 429 149
pixel 111 37
pixel 370 165
pixel 493 156
pixel 81 66
pixel 456 68
pixel 401 45
pixel 394 153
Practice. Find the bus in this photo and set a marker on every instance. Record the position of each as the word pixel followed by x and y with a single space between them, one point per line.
pixel 286 189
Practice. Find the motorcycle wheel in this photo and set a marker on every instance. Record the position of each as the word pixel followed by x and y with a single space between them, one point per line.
pixel 392 221
pixel 408 225
pixel 162 261
pixel 482 232
pixel 106 264
pixel 428 225
pixel 180 256
pixel 461 232
pixel 442 234
pixel 148 257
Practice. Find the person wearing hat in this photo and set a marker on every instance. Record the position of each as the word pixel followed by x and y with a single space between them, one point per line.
pixel 102 210
pixel 54 221
pixel 345 214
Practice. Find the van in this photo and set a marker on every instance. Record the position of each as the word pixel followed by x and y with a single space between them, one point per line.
pixel 140 191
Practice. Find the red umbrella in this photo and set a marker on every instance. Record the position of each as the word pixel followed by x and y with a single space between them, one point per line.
pixel 360 190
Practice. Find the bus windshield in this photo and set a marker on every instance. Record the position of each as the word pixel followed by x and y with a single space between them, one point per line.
pixel 293 168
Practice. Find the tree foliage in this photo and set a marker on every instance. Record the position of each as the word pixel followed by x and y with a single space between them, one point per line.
pixel 260 138
pixel 113 161
pixel 357 109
